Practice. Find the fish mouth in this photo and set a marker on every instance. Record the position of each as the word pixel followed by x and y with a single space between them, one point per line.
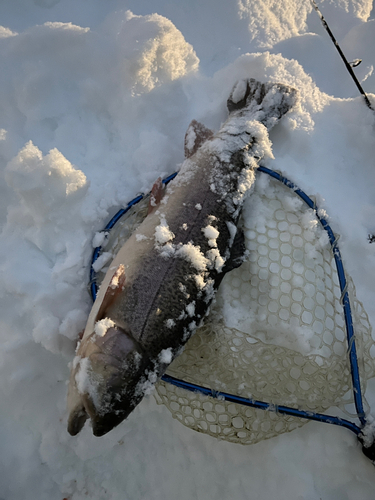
pixel 103 424
pixel 116 402
pixel 118 399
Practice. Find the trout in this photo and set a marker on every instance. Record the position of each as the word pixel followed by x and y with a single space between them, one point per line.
pixel 160 285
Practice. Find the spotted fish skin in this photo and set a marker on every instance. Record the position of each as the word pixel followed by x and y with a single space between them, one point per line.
pixel 159 287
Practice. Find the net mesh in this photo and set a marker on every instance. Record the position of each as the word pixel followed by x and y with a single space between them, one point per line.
pixel 276 332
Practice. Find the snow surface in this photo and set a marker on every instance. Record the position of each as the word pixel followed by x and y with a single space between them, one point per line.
pixel 102 326
pixel 95 99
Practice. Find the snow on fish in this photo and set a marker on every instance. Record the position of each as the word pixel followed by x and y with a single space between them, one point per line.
pixel 159 287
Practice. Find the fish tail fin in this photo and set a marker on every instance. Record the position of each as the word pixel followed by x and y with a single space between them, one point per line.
pixel 265 102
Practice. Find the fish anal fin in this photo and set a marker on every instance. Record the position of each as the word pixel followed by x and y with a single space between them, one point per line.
pixel 195 136
pixel 156 195
pixel 238 252
pixel 115 287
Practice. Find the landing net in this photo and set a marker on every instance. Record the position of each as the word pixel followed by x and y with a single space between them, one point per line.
pixel 277 330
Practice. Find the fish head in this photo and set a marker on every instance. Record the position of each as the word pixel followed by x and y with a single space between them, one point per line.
pixel 105 383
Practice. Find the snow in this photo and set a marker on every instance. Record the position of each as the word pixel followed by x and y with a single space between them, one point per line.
pixel 170 323
pixel 99 239
pixel 190 309
pixel 194 255
pixel 211 233
pixel 162 233
pixel 140 237
pixel 239 91
pixel 166 356
pixel 190 138
pixel 94 106
pixel 102 260
pixel 102 326
pixel 82 376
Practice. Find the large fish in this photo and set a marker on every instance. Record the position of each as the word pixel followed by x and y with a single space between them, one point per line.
pixel 160 285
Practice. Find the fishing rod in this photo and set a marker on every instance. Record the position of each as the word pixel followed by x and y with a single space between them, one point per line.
pixel 349 67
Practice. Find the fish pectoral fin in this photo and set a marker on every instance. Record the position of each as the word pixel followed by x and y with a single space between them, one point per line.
pixel 238 252
pixel 156 195
pixel 115 287
pixel 195 136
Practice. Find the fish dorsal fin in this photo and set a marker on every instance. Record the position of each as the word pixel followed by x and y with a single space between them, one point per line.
pixel 195 136
pixel 115 287
pixel 156 195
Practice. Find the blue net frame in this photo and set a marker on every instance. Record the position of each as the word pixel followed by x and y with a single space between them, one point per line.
pixel 368 449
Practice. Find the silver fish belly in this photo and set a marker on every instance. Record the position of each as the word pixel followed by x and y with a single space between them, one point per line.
pixel 159 287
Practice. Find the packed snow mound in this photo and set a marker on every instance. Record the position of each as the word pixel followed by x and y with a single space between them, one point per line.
pixel 42 182
pixel 276 68
pixel 271 21
pixel 69 87
pixel 152 50
pixel 47 187
pixel 44 220
pixel 341 16
pixel 6 32
pixel 360 9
